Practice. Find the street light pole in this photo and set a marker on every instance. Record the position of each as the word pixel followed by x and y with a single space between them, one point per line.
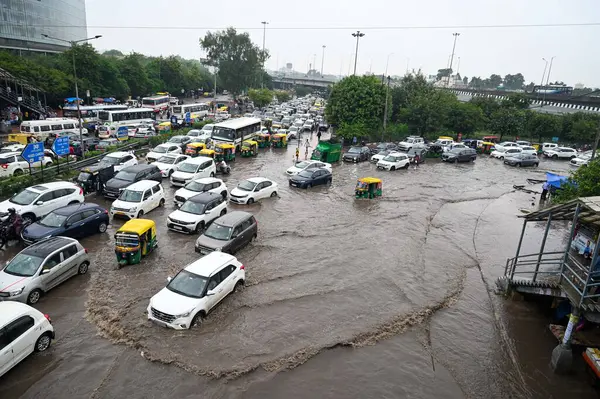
pixel 262 75
pixel 73 44
pixel 549 70
pixel 357 35
pixel 456 35
pixel 387 63
pixel 385 110
pixel 542 82
pixel 322 60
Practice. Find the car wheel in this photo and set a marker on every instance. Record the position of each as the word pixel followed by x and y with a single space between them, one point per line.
pixel 329 181
pixel 43 342
pixel 518 164
pixel 212 174
pixel 197 320
pixel 83 268
pixel 18 172
pixel 537 164
pixel 224 194
pixel 473 159
pixel 554 156
pixel 573 156
pixel 407 165
pixel 162 202
pixel 169 174
pixel 455 160
pixel 274 194
pixel 34 297
pixel 223 212
pixel 250 201
pixel 102 227
pixel 501 158
pixel 140 214
pixel 238 286
pixel 392 168
pixel 28 218
pixel 307 186
pixel 199 228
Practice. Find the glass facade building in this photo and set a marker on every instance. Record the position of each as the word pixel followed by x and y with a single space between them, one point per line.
pixel 22 23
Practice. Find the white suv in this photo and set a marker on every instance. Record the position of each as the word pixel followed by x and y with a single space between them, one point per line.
pixel 23 330
pixel 138 199
pixel 197 212
pixel 198 186
pixel 393 161
pixel 195 290
pixel 561 152
pixel 409 142
pixel 37 201
pixel 12 163
pixel 193 168
pixel 119 159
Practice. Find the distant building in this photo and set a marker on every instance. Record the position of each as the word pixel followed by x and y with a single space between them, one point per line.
pixel 453 82
pixel 289 66
pixel 579 85
pixel 24 22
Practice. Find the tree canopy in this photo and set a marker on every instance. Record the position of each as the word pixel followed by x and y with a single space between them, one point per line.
pixel 260 97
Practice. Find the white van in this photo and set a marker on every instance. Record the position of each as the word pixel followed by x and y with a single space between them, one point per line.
pixel 192 169
pixel 43 128
pixel 548 146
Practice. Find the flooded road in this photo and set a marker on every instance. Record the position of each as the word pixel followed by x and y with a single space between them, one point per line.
pixel 392 297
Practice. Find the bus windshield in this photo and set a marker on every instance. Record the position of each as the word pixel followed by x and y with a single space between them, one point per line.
pixel 223 133
pixel 147 101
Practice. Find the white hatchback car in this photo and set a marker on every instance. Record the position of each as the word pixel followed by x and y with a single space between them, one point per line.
pixel 307 165
pixel 169 163
pixel 506 152
pixel 197 212
pixel 138 199
pixel 195 290
pixel 23 330
pixel 529 150
pixel 193 168
pixel 252 190
pixel 119 160
pixel 37 201
pixel 393 161
pixel 162 149
pixel 195 187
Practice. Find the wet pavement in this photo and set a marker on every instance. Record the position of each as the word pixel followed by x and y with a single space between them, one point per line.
pixel 392 297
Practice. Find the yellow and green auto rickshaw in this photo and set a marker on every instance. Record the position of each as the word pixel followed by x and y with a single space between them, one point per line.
pixel 194 149
pixel 249 148
pixel 134 240
pixel 164 127
pixel 487 147
pixel 263 140
pixel 368 187
pixel 207 153
pixel 224 151
pixel 279 140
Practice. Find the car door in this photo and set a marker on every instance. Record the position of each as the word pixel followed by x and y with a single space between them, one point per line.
pixel 91 222
pixel 6 352
pixel 174 149
pixel 51 271
pixel 247 233
pixel 227 276
pixel 147 204
pixel 74 225
pixel 214 291
pixel 70 263
pixel 236 238
pixel 318 177
pixel 19 337
pixel 45 204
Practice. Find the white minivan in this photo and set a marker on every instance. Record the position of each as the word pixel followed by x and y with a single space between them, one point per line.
pixel 138 199
pixel 193 168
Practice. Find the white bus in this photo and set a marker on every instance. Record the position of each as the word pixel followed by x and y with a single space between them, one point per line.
pixel 89 113
pixel 196 110
pixel 159 102
pixel 235 131
pixel 111 120
pixel 43 128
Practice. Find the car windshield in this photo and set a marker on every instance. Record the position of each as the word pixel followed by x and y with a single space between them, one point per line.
pixel 53 220
pixel 354 150
pixel 246 185
pixel 207 128
pixel 127 176
pixel 218 232
pixel 130 196
pixel 390 158
pixel 159 149
pixel 25 197
pixel 188 167
pixel 305 173
pixel 83 176
pixel 167 160
pixel 23 265
pixel 111 160
pixel 196 186
pixel 196 208
pixel 176 139
pixel 105 143
pixel 384 152
pixel 188 284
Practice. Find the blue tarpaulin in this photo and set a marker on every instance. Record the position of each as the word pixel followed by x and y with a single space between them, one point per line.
pixel 72 99
pixel 555 180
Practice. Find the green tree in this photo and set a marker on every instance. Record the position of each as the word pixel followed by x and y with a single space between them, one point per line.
pixel 516 100
pixel 260 97
pixel 507 122
pixel 494 81
pixel 444 73
pixel 239 61
pixel 465 118
pixel 282 96
pixel 476 82
pixel 133 71
pixel 357 101
pixel 488 105
pixel 584 182
pixel 113 53
pixel 514 82
pixel 542 126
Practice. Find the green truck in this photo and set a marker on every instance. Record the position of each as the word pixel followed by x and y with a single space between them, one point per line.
pixel 327 151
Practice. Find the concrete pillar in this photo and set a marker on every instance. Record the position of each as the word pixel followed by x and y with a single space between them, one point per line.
pixel 562 356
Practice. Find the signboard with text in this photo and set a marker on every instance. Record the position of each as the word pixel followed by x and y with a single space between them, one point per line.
pixel 34 152
pixel 61 146
pixel 122 133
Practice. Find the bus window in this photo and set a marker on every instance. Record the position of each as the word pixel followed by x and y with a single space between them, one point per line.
pixel 45 128
pixel 57 127
pixel 36 129
pixel 69 126
pixel 177 110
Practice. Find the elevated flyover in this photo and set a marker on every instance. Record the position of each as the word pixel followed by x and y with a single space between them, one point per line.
pixel 288 82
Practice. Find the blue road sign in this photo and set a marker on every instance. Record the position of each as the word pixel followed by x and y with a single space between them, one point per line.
pixel 555 139
pixel 188 117
pixel 34 152
pixel 174 120
pixel 122 132
pixel 61 145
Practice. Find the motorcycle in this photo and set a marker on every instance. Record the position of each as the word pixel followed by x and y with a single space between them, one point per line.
pixel 224 169
pixel 7 233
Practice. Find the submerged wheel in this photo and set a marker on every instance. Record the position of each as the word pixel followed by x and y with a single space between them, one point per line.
pixel 250 201
pixel 199 227
pixel 162 202
pixel 43 342
pixel 102 227
pixel 392 168
pixel 223 212
pixel 197 320
pixel 140 214
pixel 274 194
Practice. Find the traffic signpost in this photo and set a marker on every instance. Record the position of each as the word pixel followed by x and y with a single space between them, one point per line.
pixel 188 117
pixel 122 132
pixel 34 152
pixel 60 148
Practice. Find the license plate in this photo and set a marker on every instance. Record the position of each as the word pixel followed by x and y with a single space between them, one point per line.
pixel 294 184
pixel 178 227
pixel 203 252
pixel 119 213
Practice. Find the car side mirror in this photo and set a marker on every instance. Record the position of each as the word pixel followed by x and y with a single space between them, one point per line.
pixel 208 211
pixel 40 203
pixel 210 293
pixel 169 279
pixel 45 271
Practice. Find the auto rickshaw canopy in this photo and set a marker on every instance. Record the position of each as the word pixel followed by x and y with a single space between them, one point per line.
pixel 138 226
pixel 250 143
pixel 445 138
pixel 369 180
pixel 225 146
pixel 195 145
pixel 279 136
pixel 207 152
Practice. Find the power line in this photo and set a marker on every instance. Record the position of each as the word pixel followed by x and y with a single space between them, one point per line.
pixel 507 26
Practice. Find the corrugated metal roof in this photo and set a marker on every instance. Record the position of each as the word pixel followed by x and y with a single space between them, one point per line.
pixel 4 74
pixel 589 212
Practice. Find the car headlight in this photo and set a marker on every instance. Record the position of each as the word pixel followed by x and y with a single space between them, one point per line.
pixel 17 292
pixel 133 209
pixel 186 314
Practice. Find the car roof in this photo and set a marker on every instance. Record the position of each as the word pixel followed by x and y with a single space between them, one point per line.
pixel 46 247
pixel 166 145
pixel 204 197
pixel 206 180
pixel 70 209
pixel 117 154
pixel 210 263
pixel 9 309
pixel 138 167
pixel 52 186
pixel 232 218
pixel 198 160
pixel 169 155
pixel 142 185
pixel 257 179
pixel 8 154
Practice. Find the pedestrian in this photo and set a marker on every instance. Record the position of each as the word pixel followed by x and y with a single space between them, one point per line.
pixel 319 135
pixel 297 154
pixel 306 153
pixel 307 143
pixel 417 159
pixel 354 140
pixel 168 114
pixel 544 192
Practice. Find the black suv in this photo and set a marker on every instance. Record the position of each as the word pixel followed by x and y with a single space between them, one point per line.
pixel 229 233
pixel 460 155
pixel 357 154
pixel 130 175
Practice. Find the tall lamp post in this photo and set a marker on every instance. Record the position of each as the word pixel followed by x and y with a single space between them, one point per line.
pixel 322 60
pixel 73 43
pixel 549 70
pixel 456 35
pixel 387 63
pixel 358 34
pixel 542 82
pixel 262 75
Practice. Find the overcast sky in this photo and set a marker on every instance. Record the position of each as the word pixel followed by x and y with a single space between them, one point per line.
pixel 310 24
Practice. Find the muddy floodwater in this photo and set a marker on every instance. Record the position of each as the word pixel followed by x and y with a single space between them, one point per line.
pixel 388 298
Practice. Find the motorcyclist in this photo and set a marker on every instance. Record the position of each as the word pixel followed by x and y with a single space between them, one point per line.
pixel 223 167
pixel 15 223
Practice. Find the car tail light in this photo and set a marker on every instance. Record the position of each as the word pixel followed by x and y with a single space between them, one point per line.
pixel 4 165
pixel 85 249
pixel 242 267
pixel 48 318
pixel 80 191
pixel 106 211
